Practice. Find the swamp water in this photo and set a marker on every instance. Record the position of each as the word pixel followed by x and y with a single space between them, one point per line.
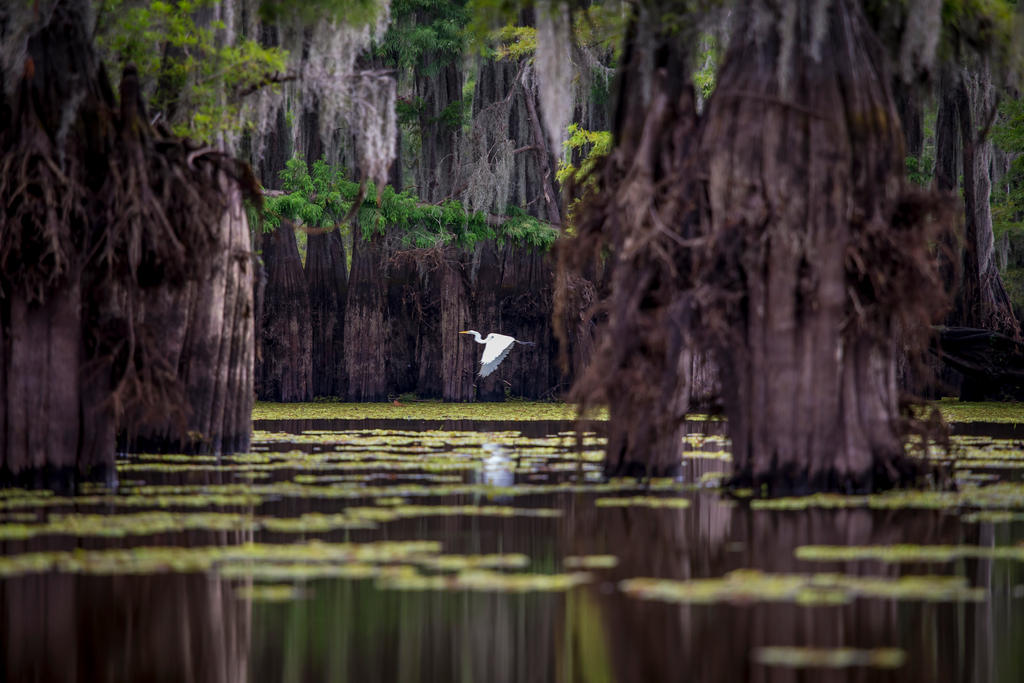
pixel 488 549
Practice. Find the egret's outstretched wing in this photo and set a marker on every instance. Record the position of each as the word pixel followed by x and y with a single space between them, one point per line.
pixel 498 346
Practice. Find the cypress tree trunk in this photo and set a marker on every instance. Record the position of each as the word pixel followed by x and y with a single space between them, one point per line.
pixel 805 167
pixel 286 370
pixel 440 92
pixel 206 332
pixel 327 280
pixel 42 428
pixel 366 325
pixel 459 351
pixel 403 319
pixel 639 368
pixel 97 208
pixel 908 104
pixel 429 353
pixel 526 313
pixel 982 300
pixel 488 298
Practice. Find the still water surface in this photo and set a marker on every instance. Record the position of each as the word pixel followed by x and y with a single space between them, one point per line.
pixel 81 620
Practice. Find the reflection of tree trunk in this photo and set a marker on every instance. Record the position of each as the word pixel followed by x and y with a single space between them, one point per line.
pixel 327 279
pixel 174 627
pixel 285 370
pixel 366 332
pixel 716 642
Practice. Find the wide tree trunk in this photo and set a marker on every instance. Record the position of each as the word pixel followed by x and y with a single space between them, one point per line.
pixel 366 324
pixel 285 372
pixel 640 210
pixel 982 300
pixel 805 161
pixel 429 354
pixel 512 163
pixel 439 91
pixel 206 334
pixel 327 280
pixel 403 319
pixel 525 312
pixel 97 209
pixel 487 301
pixel 458 351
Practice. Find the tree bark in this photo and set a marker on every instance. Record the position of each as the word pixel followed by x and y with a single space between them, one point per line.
pixel 487 301
pixel 908 104
pixel 429 348
pixel 439 90
pixel 327 280
pixel 403 319
pixel 801 200
pixel 206 333
pixel 634 222
pixel 286 370
pixel 98 208
pixel 525 312
pixel 459 352
pixel 366 324
pixel 982 300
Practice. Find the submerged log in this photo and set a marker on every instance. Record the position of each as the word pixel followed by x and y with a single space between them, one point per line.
pixel 285 370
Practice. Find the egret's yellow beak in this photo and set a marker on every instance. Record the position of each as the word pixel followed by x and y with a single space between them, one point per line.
pixel 463 331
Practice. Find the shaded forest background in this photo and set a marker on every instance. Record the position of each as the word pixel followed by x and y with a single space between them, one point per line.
pixel 433 116
pixel 416 167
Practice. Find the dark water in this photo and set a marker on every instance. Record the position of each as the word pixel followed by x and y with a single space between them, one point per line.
pixel 197 626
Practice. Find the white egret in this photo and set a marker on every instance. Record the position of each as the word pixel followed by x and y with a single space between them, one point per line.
pixel 496 347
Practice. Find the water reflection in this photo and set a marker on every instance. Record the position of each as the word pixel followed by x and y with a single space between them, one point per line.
pixel 169 627
pixel 194 627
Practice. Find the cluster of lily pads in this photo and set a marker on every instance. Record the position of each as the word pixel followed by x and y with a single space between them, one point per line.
pixel 364 479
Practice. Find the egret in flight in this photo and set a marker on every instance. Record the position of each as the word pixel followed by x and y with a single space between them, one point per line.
pixel 496 347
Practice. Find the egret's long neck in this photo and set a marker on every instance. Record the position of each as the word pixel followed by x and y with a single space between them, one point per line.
pixel 476 335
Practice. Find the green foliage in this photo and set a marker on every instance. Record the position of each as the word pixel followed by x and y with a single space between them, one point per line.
pixel 1008 195
pixel 709 58
pixel 920 171
pixel 324 198
pixel 591 144
pixel 351 12
pixel 425 34
pixel 514 42
pixel 189 75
